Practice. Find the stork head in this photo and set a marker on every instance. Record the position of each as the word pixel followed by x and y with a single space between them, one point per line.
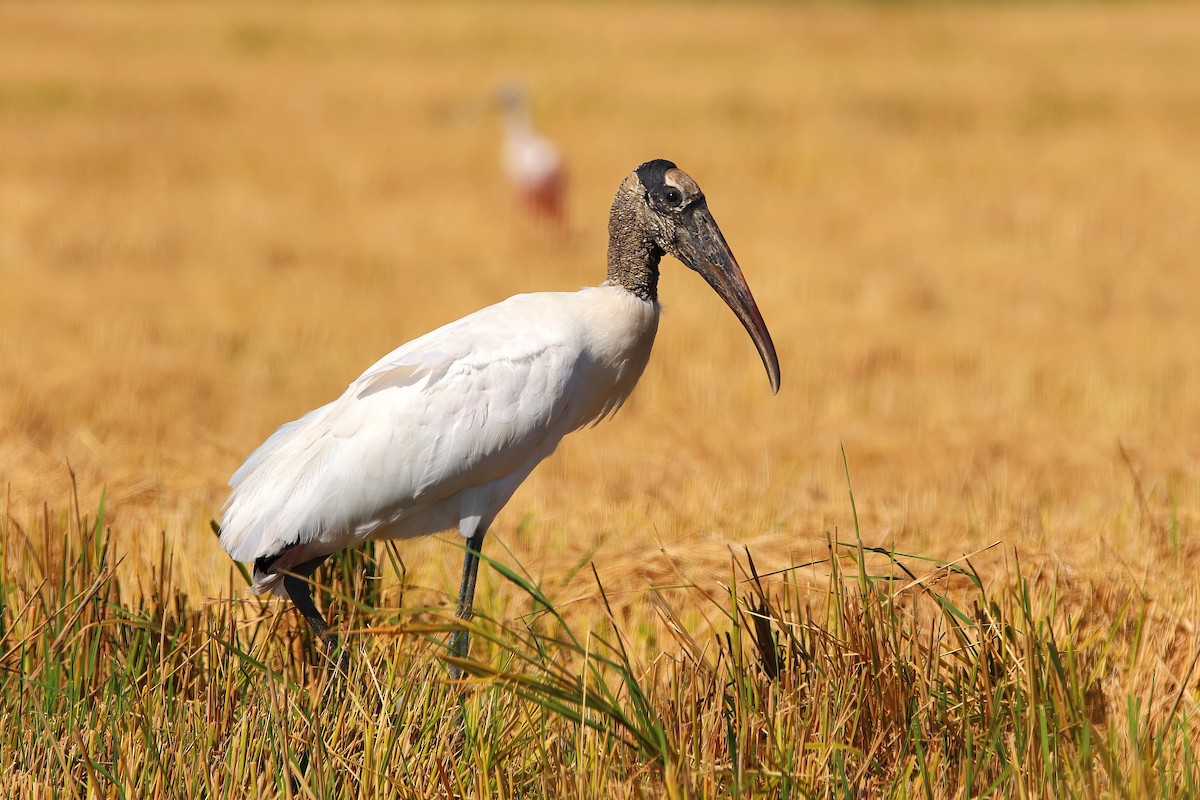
pixel 661 209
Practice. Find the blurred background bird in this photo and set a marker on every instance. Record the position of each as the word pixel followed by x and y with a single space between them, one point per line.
pixel 531 162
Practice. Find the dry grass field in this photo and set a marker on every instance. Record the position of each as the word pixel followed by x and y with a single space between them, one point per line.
pixel 972 231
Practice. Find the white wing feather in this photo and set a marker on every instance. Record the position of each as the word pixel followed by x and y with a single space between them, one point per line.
pixel 436 434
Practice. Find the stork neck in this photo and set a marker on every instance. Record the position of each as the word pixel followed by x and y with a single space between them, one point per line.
pixel 633 256
pixel 517 122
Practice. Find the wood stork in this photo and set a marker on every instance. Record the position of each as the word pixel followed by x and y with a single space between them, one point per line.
pixel 439 433
pixel 531 162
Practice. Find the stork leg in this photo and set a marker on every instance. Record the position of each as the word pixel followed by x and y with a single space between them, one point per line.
pixel 460 643
pixel 299 589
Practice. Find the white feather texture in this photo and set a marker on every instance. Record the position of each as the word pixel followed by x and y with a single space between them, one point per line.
pixel 439 433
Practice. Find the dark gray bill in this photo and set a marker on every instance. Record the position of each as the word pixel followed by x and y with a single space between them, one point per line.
pixel 700 245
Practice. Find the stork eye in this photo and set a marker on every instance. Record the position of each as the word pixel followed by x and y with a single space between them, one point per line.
pixel 672 196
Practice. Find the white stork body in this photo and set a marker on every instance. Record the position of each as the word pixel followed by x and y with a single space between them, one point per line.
pixel 531 162
pixel 439 433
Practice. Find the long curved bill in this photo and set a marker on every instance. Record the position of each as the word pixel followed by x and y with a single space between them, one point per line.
pixel 701 246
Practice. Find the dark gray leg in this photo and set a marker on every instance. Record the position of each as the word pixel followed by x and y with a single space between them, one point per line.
pixel 460 643
pixel 300 591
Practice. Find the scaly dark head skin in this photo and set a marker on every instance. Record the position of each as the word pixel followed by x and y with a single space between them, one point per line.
pixel 660 209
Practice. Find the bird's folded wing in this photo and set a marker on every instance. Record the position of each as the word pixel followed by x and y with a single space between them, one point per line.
pixel 457 408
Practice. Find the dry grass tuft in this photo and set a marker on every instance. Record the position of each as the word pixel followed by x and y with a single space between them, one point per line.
pixel 890 680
